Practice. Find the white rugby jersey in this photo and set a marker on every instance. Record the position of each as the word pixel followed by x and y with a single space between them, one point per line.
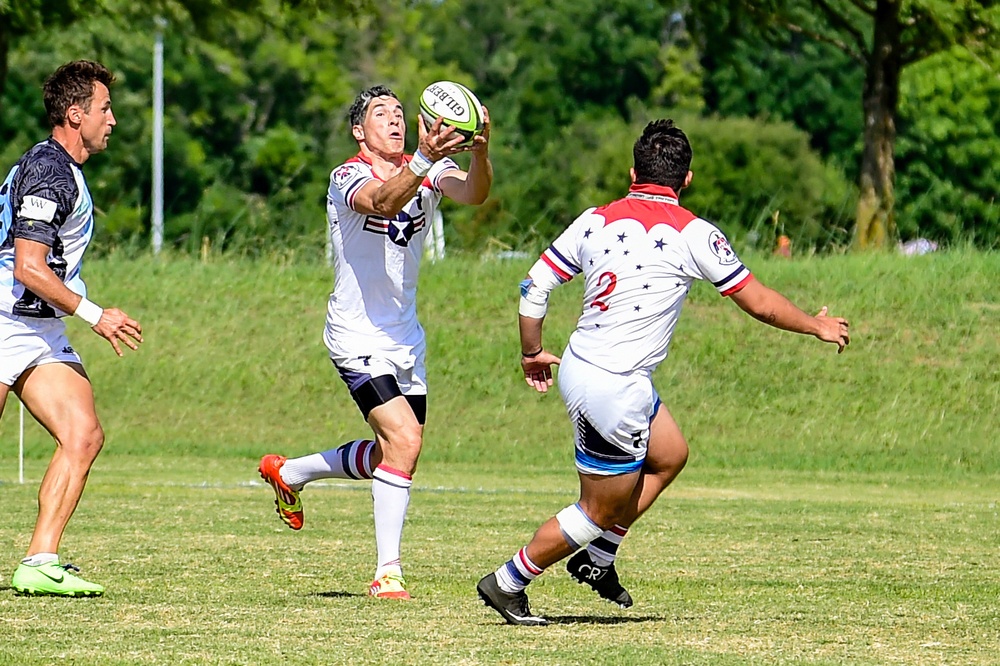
pixel 44 198
pixel 639 256
pixel 376 260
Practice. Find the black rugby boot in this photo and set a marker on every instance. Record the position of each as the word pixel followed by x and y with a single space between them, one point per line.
pixel 512 607
pixel 603 580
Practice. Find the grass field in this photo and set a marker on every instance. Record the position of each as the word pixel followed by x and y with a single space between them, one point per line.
pixel 836 509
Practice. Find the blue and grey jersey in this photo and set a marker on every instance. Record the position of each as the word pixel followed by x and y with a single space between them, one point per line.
pixel 45 199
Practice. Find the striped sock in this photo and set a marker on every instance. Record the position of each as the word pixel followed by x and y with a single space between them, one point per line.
pixel 391 495
pixel 353 460
pixel 604 548
pixel 517 572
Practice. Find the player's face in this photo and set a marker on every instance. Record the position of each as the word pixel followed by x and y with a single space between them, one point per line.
pixel 384 126
pixel 96 125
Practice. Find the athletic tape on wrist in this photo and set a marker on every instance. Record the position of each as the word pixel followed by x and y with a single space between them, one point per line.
pixel 89 311
pixel 420 164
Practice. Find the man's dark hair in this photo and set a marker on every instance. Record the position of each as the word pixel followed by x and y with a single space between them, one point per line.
pixel 73 83
pixel 360 106
pixel 662 155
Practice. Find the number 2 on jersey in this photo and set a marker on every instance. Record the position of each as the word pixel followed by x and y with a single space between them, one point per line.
pixel 612 283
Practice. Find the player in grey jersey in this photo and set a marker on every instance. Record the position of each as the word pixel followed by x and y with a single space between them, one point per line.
pixel 46 222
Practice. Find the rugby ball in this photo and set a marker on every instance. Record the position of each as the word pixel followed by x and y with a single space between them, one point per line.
pixel 457 105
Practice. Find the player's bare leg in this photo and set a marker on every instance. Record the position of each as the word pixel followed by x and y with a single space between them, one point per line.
pixel 398 438
pixel 602 500
pixel 60 397
pixel 4 390
pixel 666 456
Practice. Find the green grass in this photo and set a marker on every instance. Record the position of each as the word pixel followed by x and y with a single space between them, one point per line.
pixel 836 509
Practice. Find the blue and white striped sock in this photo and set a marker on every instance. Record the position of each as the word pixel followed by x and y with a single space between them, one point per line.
pixel 604 548
pixel 517 572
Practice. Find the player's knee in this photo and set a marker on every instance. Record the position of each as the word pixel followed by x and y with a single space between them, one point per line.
pixel 606 513
pixel 406 442
pixel 85 444
pixel 577 527
pixel 678 457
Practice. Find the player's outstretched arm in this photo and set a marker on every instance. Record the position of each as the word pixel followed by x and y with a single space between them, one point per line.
pixel 771 307
pixel 386 199
pixel 472 187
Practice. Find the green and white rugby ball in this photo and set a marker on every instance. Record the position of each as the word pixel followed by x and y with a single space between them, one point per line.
pixel 457 105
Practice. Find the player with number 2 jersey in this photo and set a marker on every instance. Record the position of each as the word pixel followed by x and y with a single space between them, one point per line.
pixel 638 256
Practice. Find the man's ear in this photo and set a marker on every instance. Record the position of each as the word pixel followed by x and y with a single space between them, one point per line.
pixel 74 115
pixel 359 132
pixel 688 178
pixel 631 174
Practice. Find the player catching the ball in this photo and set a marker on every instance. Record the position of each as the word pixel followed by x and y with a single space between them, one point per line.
pixel 379 206
pixel 639 256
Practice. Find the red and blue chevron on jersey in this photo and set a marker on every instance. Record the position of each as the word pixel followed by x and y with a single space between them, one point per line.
pixel 377 259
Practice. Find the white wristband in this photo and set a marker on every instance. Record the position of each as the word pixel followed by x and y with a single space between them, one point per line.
pixel 420 164
pixel 89 311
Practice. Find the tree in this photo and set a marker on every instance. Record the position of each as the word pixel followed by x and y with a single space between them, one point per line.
pixel 26 17
pixel 22 18
pixel 883 37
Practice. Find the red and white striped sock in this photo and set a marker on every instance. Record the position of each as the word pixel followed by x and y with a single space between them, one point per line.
pixel 391 495
pixel 350 461
pixel 604 549
pixel 517 572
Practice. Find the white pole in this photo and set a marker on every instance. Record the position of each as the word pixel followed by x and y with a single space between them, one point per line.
pixel 157 203
pixel 438 226
pixel 20 449
pixel 329 247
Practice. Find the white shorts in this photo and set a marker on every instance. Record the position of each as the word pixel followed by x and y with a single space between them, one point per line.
pixel 403 362
pixel 26 342
pixel 611 412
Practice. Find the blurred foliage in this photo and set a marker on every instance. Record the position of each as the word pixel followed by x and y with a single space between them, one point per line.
pixel 257 92
pixel 949 150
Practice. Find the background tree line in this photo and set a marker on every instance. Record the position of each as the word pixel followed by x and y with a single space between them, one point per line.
pixel 772 96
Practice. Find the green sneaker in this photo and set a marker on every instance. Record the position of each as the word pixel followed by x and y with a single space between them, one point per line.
pixel 53 578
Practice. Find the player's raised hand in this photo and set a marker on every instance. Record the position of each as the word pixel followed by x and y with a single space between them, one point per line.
pixel 438 140
pixel 481 144
pixel 833 329
pixel 538 370
pixel 115 326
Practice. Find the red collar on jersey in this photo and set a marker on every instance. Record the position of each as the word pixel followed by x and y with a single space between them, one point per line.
pixel 655 190
pixel 645 205
pixel 361 157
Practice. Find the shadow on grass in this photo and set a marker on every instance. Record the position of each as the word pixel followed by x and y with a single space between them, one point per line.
pixel 337 594
pixel 601 619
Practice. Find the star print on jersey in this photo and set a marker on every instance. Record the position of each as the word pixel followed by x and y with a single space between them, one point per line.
pixel 400 229
pixel 640 256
